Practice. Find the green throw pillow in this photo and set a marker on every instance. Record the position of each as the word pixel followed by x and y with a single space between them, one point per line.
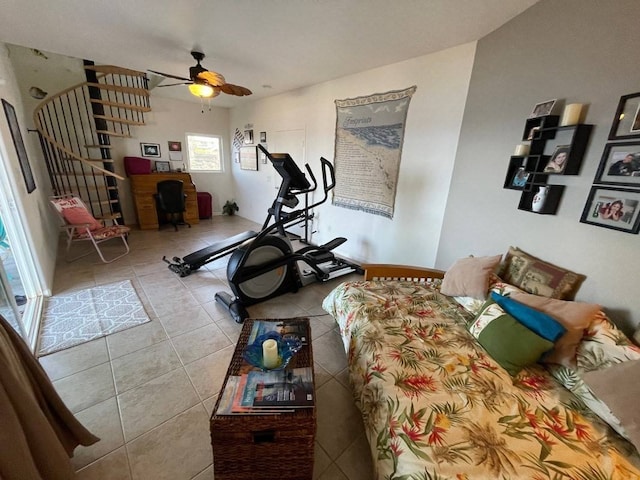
pixel 509 343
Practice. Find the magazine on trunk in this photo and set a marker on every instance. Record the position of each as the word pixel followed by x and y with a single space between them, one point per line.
pixel 230 401
pixel 279 389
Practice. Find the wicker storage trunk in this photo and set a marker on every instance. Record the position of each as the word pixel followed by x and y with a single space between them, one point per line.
pixel 263 447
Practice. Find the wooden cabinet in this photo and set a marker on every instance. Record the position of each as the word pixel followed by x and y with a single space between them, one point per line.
pixel 144 189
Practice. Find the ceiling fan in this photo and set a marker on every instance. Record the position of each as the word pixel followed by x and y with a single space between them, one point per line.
pixel 204 83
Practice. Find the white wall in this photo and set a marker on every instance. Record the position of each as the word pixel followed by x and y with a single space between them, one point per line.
pixel 170 120
pixel 578 51
pixel 431 136
pixel 33 208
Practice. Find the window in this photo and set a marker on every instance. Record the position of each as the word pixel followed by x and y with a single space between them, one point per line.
pixel 204 152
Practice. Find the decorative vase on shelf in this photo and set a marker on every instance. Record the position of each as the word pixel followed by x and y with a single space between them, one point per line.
pixel 538 200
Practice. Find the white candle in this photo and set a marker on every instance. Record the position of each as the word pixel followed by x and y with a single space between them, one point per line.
pixel 522 150
pixel 571 114
pixel 270 353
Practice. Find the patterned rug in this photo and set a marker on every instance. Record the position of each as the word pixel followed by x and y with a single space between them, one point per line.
pixel 85 315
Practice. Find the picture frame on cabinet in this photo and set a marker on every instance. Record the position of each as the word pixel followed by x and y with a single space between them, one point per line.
pixel 626 121
pixel 614 208
pixel 620 164
pixel 163 167
pixel 542 109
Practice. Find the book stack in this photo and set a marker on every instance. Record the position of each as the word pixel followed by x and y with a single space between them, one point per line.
pixel 259 392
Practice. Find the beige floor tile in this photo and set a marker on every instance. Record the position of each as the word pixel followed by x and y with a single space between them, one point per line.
pixel 103 420
pixel 189 318
pixel 152 403
pixel 230 327
pixel 141 366
pixel 333 473
pixel 172 302
pixel 207 474
pixel 86 388
pixel 76 359
pixel 136 338
pixel 321 325
pixel 356 461
pixel 339 421
pixel 329 352
pixel 207 373
pixel 199 343
pixel 321 375
pixel 275 308
pixel 178 449
pixel 321 461
pixel 114 466
pixel 215 310
pixel 343 378
pixel 210 403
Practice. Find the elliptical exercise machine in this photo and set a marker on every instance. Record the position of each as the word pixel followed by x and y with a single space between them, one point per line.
pixel 264 265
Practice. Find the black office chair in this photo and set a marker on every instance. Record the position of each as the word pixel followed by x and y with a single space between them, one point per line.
pixel 171 202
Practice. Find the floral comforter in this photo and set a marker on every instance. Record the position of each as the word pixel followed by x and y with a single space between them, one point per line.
pixel 436 406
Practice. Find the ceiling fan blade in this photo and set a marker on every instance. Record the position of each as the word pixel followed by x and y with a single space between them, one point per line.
pixel 174 84
pixel 170 76
pixel 212 78
pixel 237 90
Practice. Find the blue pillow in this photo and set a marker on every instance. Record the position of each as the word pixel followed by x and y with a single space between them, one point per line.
pixel 539 322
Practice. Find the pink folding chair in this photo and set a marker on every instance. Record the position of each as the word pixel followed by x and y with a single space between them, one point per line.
pixel 81 226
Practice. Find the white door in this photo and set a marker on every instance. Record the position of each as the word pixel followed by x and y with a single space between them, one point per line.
pixel 293 143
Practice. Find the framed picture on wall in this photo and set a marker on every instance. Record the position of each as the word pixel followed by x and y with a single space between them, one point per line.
pixel 21 151
pixel 249 158
pixel 626 121
pixel 150 150
pixel 620 164
pixel 615 208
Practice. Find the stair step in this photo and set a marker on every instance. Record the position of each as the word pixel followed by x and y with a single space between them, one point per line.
pixel 114 134
pixel 137 108
pixel 114 70
pixel 103 160
pixel 125 121
pixel 119 88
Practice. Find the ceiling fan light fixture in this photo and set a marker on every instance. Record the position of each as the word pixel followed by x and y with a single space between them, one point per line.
pixel 201 90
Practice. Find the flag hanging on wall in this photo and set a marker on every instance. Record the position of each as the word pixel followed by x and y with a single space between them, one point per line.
pixel 368 147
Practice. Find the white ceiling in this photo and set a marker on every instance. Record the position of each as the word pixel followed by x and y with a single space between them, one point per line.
pixel 284 44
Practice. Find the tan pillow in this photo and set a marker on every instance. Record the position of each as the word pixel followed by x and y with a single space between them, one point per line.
pixel 617 386
pixel 574 316
pixel 539 277
pixel 469 277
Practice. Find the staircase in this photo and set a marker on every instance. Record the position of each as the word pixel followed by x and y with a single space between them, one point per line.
pixel 76 126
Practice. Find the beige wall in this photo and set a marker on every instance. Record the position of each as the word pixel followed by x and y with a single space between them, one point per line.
pixel 431 136
pixel 574 50
pixel 33 208
pixel 170 120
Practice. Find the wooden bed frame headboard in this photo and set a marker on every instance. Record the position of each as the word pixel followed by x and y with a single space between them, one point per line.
pixel 381 271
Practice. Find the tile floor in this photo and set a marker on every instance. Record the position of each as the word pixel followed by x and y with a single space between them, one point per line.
pixel 148 392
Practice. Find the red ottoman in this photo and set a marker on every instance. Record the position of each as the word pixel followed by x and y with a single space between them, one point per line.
pixel 204 205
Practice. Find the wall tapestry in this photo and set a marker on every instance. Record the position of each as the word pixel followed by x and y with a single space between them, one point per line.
pixel 369 136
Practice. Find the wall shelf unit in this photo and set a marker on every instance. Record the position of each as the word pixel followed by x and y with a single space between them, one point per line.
pixel 553 150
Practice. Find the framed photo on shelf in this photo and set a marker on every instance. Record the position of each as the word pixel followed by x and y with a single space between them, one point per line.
pixel 21 151
pixel 620 164
pixel 558 161
pixel 519 179
pixel 626 121
pixel 150 149
pixel 542 109
pixel 163 166
pixel 249 158
pixel 615 208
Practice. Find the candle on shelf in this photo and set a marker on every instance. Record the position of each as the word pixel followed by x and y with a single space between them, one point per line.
pixel 522 150
pixel 571 114
pixel 270 357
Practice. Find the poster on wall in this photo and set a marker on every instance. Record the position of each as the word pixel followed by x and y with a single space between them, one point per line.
pixel 368 147
pixel 16 135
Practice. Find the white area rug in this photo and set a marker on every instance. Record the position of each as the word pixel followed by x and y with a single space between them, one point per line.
pixel 85 315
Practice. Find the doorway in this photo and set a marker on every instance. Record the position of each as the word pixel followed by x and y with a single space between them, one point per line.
pixel 12 295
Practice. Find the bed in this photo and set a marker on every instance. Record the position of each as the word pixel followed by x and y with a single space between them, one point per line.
pixel 436 405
